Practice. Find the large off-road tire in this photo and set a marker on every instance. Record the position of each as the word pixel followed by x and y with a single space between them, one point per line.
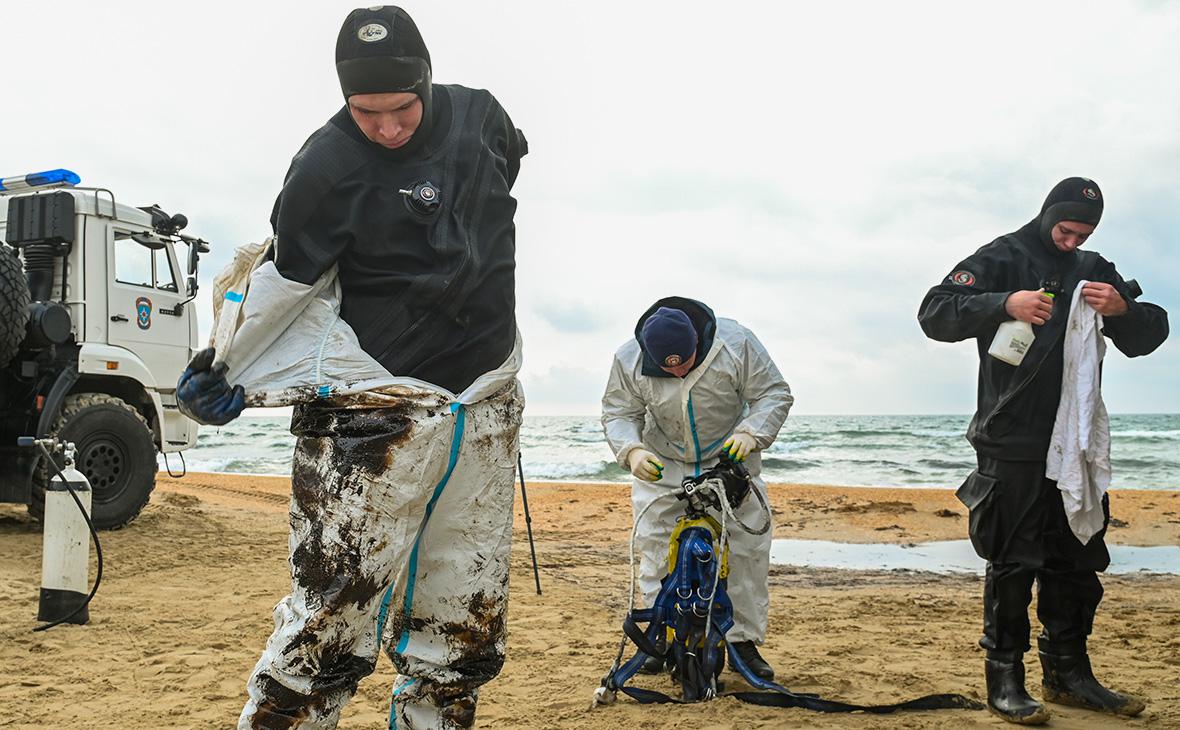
pixel 14 304
pixel 116 452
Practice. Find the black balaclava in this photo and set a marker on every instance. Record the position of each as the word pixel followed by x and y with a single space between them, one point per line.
pixel 380 51
pixel 1073 199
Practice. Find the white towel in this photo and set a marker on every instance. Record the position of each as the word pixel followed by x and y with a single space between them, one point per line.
pixel 1079 451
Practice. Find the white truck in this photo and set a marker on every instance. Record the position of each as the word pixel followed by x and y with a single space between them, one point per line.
pixel 96 325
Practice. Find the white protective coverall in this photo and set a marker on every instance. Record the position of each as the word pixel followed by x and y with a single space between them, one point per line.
pixel 401 511
pixel 735 388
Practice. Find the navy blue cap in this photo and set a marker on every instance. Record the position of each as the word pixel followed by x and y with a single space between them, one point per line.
pixel 669 337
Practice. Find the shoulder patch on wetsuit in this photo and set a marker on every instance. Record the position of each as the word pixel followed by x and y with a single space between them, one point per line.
pixel 962 277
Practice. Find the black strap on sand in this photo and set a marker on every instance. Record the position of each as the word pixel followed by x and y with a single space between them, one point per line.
pixel 816 703
pixel 819 704
pixel 773 694
pixel 651 697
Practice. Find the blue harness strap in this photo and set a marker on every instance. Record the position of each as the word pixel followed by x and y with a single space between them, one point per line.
pixel 678 614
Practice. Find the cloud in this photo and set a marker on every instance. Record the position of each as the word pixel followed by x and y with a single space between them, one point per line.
pixel 564 390
pixel 808 173
pixel 695 190
pixel 571 317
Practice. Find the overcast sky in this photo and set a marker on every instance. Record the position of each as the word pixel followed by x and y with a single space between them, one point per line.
pixel 809 169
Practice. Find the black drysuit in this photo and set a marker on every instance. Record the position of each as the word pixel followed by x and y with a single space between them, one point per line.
pixel 1017 520
pixel 430 296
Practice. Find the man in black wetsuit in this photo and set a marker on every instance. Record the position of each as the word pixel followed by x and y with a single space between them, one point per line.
pixel 401 510
pixel 1018 521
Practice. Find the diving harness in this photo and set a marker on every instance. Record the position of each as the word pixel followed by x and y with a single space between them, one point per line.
pixel 690 616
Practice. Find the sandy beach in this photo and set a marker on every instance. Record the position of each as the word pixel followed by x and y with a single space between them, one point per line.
pixel 184 611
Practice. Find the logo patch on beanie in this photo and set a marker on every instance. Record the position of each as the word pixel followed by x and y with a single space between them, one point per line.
pixel 672 361
pixel 372 33
pixel 1090 193
pixel 962 277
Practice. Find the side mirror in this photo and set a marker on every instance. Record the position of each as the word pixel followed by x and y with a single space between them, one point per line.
pixel 196 247
pixel 194 253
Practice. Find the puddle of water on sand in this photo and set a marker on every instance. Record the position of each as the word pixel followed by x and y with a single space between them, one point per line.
pixel 946 556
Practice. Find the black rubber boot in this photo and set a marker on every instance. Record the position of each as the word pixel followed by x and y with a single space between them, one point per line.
pixel 748 651
pixel 1069 680
pixel 1006 696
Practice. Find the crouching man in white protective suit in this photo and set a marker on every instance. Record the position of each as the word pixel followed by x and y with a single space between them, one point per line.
pixel 687 387
pixel 384 312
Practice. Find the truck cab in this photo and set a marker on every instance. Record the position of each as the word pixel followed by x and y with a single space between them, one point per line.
pixel 101 326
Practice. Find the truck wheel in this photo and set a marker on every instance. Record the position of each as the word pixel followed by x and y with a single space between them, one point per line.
pixel 14 304
pixel 116 452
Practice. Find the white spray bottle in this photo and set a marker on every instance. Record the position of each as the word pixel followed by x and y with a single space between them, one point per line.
pixel 1013 340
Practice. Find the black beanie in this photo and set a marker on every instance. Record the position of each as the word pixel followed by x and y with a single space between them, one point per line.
pixel 380 51
pixel 1073 199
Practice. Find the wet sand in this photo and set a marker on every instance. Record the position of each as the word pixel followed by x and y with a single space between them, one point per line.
pixel 184 611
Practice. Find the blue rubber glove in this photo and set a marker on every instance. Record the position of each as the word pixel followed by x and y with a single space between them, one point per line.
pixel 204 395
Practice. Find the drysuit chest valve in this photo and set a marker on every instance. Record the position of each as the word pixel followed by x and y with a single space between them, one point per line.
pixel 422 198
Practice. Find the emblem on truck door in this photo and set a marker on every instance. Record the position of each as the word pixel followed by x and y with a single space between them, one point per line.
pixel 143 313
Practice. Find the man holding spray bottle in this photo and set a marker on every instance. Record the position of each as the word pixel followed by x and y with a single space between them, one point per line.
pixel 1018 522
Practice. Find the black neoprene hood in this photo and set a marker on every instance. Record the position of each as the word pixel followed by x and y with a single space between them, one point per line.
pixel 1073 199
pixel 380 51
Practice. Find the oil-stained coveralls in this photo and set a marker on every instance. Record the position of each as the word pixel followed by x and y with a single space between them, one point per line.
pixel 1017 519
pixel 734 387
pixel 401 510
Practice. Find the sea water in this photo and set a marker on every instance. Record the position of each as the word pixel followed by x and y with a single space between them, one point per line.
pixel 882 451
pixel 945 556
